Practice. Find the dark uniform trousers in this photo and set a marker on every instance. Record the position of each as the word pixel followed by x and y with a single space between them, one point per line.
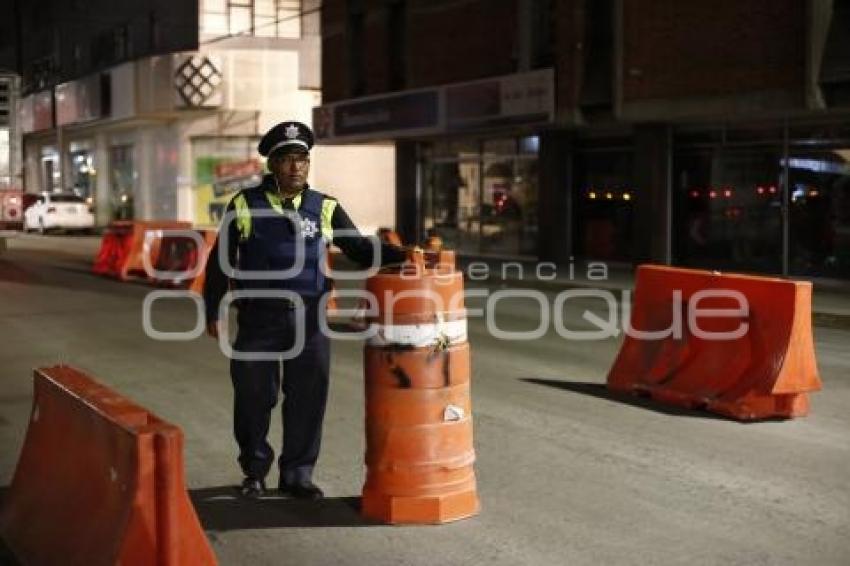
pixel 263 328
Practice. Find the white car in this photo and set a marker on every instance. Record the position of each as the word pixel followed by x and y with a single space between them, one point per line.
pixel 58 211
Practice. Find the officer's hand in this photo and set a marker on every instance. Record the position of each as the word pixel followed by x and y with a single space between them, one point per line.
pixel 212 329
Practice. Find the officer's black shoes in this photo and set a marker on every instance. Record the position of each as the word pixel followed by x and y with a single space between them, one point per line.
pixel 303 490
pixel 252 488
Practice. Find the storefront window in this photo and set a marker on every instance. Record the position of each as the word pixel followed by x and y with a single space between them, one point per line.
pixel 728 205
pixel 452 204
pixel 122 181
pixel 50 169
pixel 605 198
pixel 83 173
pixel 5 171
pixel 819 183
pixel 481 196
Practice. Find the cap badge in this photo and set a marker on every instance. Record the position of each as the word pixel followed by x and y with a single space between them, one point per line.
pixel 291 132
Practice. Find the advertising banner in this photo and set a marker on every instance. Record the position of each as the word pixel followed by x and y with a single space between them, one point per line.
pixel 218 179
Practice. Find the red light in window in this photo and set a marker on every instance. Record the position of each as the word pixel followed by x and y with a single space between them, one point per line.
pixel 727 193
pixel 760 190
pixel 712 194
pixel 772 190
pixel 694 193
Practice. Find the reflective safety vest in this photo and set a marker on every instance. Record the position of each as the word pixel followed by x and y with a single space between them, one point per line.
pixel 269 239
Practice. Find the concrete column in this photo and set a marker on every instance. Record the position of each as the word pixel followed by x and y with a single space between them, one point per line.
pixel 102 189
pixel 653 223
pixel 62 158
pixel 32 167
pixel 820 14
pixel 185 192
pixel 143 187
pixel 555 200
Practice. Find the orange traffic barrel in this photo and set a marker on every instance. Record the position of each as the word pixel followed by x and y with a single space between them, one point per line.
pixel 419 450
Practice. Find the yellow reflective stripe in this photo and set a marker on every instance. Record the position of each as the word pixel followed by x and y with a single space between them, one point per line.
pixel 277 203
pixel 274 200
pixel 328 207
pixel 243 216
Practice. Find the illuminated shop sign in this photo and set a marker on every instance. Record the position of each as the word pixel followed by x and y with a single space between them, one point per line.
pixel 411 111
pixel 523 98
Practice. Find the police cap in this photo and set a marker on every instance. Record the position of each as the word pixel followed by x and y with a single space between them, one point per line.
pixel 289 135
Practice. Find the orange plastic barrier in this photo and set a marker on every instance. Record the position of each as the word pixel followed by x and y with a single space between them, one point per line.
pixel 124 246
pixel 179 255
pixel 114 249
pixel 766 372
pixel 99 481
pixel 419 451
pixel 197 284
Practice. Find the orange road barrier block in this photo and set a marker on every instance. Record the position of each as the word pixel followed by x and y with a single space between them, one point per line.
pixel 114 249
pixel 419 450
pixel 197 284
pixel 181 258
pixel 125 244
pixel 763 367
pixel 99 481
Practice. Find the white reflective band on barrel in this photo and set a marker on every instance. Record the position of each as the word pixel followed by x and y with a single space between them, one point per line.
pixel 419 335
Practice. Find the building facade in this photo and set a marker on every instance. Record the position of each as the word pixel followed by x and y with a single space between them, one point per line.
pixel 158 114
pixel 706 134
pixel 9 136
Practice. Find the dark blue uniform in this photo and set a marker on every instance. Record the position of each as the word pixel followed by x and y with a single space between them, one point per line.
pixel 268 243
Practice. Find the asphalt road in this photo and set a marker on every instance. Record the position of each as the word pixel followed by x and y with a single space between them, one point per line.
pixel 568 473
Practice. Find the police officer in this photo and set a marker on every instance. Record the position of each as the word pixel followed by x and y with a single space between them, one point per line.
pixel 264 226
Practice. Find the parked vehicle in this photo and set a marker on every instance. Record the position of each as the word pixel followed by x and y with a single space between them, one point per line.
pixel 58 211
